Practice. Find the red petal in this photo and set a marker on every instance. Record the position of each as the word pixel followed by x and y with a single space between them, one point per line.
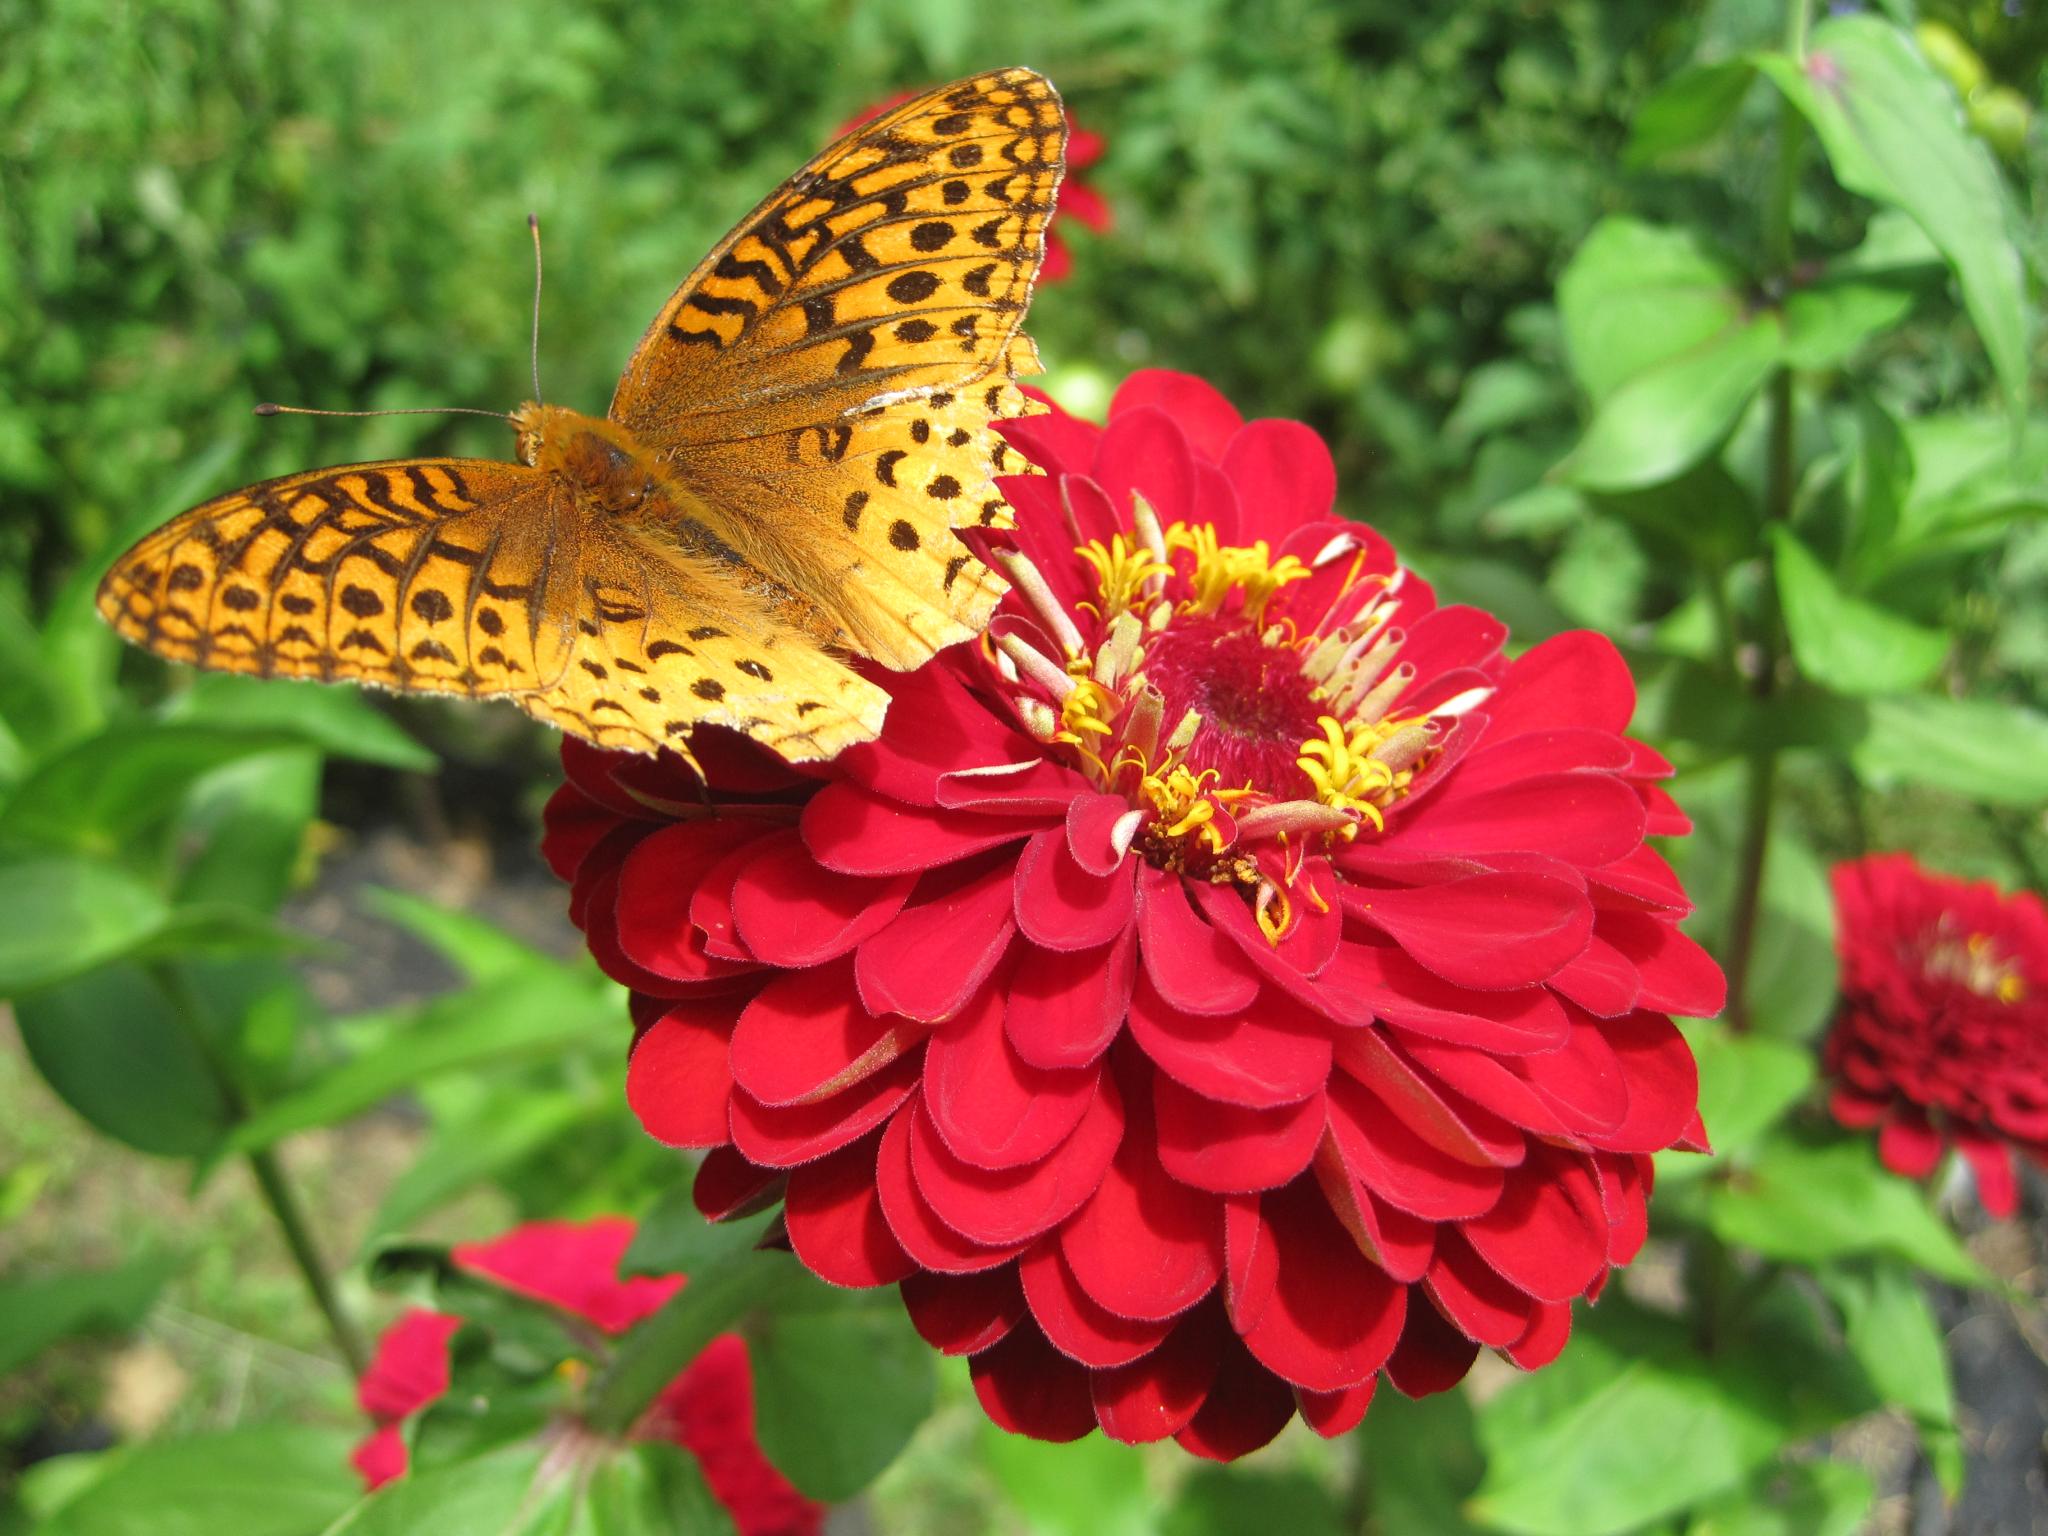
pixel 1624 1198
pixel 1678 976
pixel 805 1037
pixel 916 1226
pixel 1061 906
pixel 1072 1322
pixel 1397 1242
pixel 1663 1083
pixel 963 1314
pixel 1583 1080
pixel 1490 931
pixel 834 1217
pixel 1562 751
pixel 791 912
pixel 1474 1297
pixel 1025 787
pixel 1600 980
pixel 1547 1235
pixel 1009 1205
pixel 1063 1009
pixel 571 825
pixel 1275 1053
pixel 1054 441
pixel 1251 1262
pixel 1452 638
pixel 1390 1159
pixel 1284 477
pixel 857 832
pixel 1029 1388
pixel 678 1081
pixel 1331 1414
pixel 1156 1395
pixel 1091 821
pixel 992 1109
pixel 1909 1145
pixel 1991 1161
pixel 783 1136
pixel 1144 1245
pixel 1577 678
pixel 1645 879
pixel 1193 967
pixel 1078 201
pixel 1229 1149
pixel 573 1265
pixel 1335 1315
pixel 1205 416
pixel 657 883
pixel 1585 819
pixel 1432 1355
pixel 410 1367
pixel 1367 1056
pixel 1143 450
pixel 728 1186
pixel 951 726
pixel 1246 1407
pixel 1482 1080
pixel 937 953
pixel 1420 1002
pixel 1544 1339
pixel 380 1456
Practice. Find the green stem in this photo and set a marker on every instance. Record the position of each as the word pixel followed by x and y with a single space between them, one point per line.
pixel 656 1352
pixel 278 1194
pixel 284 1205
pixel 1760 788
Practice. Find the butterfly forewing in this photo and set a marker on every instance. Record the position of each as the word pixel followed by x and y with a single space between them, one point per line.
pixel 479 579
pixel 826 380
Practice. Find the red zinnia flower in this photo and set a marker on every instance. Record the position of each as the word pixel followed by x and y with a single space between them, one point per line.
pixel 708 1410
pixel 1076 199
pixel 1232 979
pixel 1942 1033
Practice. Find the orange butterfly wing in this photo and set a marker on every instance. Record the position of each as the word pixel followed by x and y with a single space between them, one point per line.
pixel 480 579
pixel 825 381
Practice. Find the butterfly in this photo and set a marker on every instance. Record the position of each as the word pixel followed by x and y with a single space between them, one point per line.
pixel 774 489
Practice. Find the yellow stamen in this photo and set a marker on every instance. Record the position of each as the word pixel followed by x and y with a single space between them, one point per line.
pixel 1355 770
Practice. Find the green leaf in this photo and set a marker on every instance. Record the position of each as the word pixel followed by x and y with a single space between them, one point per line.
pixel 1844 642
pixel 270 1480
pixel 650 1489
pixel 1893 132
pixel 1425 1464
pixel 1092 1487
pixel 1896 1338
pixel 841 1382
pixel 249 823
pixel 675 1239
pixel 481 950
pixel 341 722
pixel 60 915
pixel 1214 1501
pixel 114 1049
pixel 1747 1083
pixel 1813 1204
pixel 466 1152
pixel 106 790
pixel 1688 109
pixel 1968 473
pixel 36 1313
pixel 1828 321
pixel 1504 393
pixel 524 1017
pixel 1669 416
pixel 1632 1424
pixel 502 1493
pixel 1811 1498
pixel 1977 748
pixel 1636 294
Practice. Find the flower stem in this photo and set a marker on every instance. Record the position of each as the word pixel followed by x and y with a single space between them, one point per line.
pixel 1761 781
pixel 290 1216
pixel 277 1191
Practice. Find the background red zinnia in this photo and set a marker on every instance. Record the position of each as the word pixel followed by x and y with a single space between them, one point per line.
pixel 1942 1032
pixel 708 1410
pixel 1232 981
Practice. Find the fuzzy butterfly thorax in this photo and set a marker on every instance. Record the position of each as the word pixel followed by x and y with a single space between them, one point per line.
pixel 779 483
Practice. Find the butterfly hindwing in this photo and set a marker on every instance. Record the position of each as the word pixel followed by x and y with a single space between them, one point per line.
pixel 825 381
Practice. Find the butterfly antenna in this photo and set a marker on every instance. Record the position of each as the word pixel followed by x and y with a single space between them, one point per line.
pixel 271 408
pixel 533 223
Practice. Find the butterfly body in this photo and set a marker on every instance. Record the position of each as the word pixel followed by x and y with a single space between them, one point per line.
pixel 776 484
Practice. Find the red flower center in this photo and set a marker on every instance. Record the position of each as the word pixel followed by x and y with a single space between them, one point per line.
pixel 1256 707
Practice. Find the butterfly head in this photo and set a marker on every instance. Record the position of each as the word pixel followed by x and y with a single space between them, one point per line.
pixel 599 457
